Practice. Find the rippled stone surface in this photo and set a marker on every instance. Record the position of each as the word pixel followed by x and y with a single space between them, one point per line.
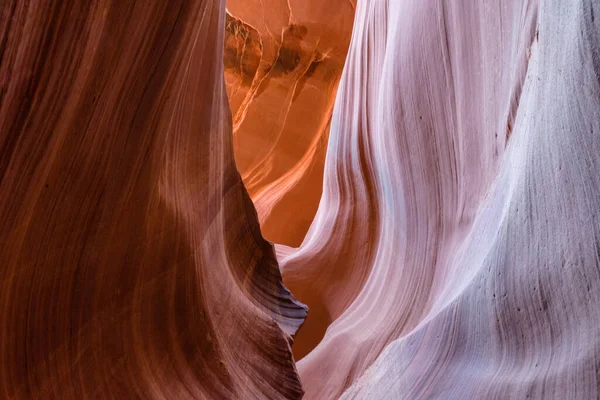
pixel 454 254
pixel 429 171
pixel 131 260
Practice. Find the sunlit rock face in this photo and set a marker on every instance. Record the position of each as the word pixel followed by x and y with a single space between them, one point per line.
pixel 283 62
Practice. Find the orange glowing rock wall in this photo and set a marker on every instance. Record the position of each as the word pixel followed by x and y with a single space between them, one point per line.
pixel 283 62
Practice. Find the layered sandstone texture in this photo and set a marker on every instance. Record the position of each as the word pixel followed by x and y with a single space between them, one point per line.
pixel 455 252
pixel 131 260
pixel 429 172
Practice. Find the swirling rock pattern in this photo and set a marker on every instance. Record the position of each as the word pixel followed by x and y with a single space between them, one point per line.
pixel 131 260
pixel 455 252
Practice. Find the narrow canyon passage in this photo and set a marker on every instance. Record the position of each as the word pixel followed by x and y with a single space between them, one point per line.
pixel 428 264
pixel 283 63
pixel 300 199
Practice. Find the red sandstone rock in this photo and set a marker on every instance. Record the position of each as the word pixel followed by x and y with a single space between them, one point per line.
pixel 131 261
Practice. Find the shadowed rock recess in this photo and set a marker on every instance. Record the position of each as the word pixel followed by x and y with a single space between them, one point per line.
pixel 429 172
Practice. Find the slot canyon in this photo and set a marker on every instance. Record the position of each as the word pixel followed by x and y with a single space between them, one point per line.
pixel 300 199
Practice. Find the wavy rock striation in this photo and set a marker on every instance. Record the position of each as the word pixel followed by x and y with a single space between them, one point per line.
pixel 132 264
pixel 455 253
